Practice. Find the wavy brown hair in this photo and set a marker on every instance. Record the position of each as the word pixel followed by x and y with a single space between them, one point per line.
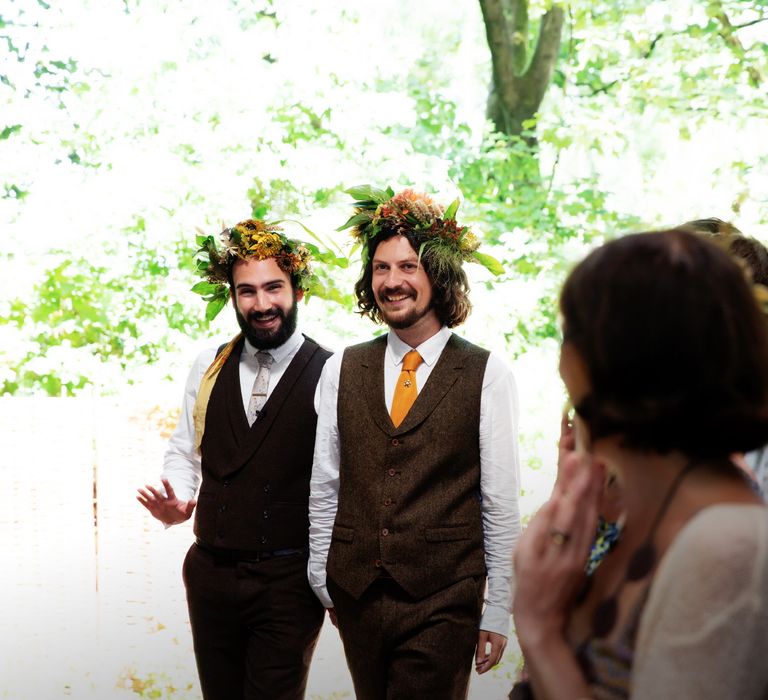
pixel 450 287
pixel 751 252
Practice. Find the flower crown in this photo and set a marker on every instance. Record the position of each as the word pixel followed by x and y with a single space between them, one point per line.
pixel 435 227
pixel 252 239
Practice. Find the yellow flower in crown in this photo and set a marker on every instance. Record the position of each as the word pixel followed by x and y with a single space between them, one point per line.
pixel 262 245
pixel 469 242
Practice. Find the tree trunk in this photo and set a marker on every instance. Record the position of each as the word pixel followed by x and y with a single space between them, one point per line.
pixel 519 84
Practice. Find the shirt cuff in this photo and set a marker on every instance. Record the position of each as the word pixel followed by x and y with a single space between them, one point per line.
pixel 495 619
pixel 322 593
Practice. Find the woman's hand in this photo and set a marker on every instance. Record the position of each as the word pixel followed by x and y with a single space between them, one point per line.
pixel 566 445
pixel 552 552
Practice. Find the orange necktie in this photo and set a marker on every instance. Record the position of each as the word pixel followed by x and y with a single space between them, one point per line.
pixel 405 389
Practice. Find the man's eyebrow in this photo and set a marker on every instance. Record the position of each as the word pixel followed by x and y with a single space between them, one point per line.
pixel 411 258
pixel 277 280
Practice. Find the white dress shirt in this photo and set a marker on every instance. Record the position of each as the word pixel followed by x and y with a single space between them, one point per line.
pixel 499 469
pixel 757 461
pixel 181 465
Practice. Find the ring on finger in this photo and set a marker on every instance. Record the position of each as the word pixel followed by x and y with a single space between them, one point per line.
pixel 559 537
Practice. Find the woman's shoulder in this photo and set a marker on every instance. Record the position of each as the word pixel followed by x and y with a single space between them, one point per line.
pixel 719 538
pixel 725 524
pixel 710 594
pixel 718 560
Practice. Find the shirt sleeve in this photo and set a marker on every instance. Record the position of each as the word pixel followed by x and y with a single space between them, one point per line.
pixel 181 464
pixel 499 490
pixel 324 483
pixel 757 461
pixel 704 630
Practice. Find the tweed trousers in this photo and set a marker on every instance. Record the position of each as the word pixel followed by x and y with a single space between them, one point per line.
pixel 400 648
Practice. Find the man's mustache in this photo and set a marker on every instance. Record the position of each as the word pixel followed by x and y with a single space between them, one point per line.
pixel 262 315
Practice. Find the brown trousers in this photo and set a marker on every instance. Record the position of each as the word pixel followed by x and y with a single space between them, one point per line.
pixel 254 625
pixel 400 648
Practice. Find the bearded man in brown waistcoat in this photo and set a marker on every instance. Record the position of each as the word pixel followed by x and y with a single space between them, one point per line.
pixel 247 430
pixel 414 491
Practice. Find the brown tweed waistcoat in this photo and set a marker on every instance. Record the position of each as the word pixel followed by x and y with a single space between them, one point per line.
pixel 409 497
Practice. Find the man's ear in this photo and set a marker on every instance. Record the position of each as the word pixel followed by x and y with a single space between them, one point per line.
pixel 299 294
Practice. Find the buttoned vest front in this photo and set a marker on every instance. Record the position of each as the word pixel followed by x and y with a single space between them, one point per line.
pixel 409 497
pixel 255 487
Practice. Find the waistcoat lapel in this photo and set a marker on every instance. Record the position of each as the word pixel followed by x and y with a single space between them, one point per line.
pixel 441 379
pixel 254 436
pixel 372 365
pixel 233 401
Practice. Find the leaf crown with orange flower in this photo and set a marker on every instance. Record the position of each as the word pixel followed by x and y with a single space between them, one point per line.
pixel 441 239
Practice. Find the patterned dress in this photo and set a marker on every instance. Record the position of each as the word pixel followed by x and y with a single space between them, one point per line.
pixel 606 537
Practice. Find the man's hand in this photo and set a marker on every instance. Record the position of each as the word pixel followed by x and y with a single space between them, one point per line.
pixel 165 506
pixel 485 660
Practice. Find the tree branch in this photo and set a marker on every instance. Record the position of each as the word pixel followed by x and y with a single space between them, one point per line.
pixel 652 45
pixel 728 34
pixel 753 22
pixel 500 44
pixel 605 87
pixel 539 73
pixel 516 96
pixel 517 12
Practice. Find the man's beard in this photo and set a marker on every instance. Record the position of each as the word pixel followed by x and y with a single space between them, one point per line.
pixel 406 321
pixel 263 339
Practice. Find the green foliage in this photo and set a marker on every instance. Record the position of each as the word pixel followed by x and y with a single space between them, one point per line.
pixel 14 192
pixel 110 312
pixel 489 262
pixel 6 133
pixel 282 195
pixel 700 39
pixel 505 192
pixel 626 70
pixel 302 124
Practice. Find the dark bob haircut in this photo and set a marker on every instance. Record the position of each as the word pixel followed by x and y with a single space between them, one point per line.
pixel 450 288
pixel 674 342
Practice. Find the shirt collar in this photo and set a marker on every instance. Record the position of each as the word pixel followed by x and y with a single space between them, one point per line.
pixel 281 351
pixel 430 350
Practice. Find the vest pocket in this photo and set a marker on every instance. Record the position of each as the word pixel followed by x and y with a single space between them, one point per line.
pixel 343 534
pixel 450 533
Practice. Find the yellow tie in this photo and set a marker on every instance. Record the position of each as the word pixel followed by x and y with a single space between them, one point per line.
pixel 405 389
